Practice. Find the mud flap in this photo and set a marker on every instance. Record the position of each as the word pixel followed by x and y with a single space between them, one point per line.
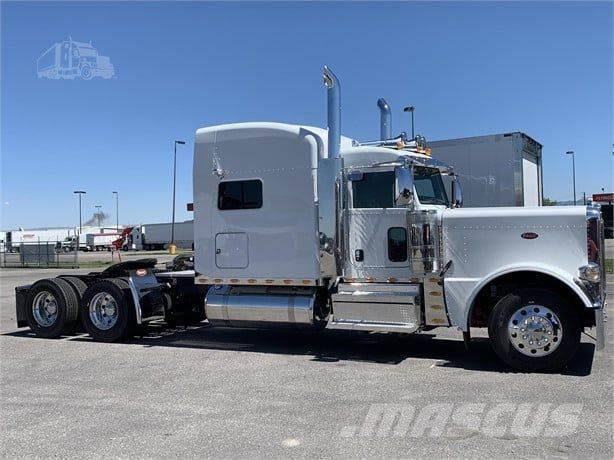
pixel 21 292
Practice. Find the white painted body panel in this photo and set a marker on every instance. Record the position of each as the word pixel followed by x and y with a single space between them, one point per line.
pixel 281 237
pixel 368 231
pixel 484 243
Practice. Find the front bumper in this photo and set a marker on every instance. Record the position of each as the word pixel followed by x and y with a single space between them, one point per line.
pixel 596 293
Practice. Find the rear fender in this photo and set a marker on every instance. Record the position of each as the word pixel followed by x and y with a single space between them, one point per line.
pixel 146 294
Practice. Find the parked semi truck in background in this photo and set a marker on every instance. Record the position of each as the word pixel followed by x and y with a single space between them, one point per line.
pixel 78 242
pixel 158 236
pixel 100 241
pixel 495 170
pixel 301 227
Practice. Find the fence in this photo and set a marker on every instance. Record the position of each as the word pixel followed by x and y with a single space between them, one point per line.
pixel 43 254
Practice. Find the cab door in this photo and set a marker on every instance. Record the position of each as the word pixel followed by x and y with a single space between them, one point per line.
pixel 377 231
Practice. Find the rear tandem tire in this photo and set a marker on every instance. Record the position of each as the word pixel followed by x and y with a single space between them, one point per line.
pixel 77 284
pixel 546 332
pixel 52 308
pixel 107 310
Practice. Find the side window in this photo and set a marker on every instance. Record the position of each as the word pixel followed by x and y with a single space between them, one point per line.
pixel 243 194
pixel 397 244
pixel 374 190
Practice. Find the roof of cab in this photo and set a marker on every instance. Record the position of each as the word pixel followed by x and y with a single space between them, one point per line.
pixel 262 125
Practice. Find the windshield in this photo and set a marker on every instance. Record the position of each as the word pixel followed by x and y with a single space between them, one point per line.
pixel 429 186
pixel 376 189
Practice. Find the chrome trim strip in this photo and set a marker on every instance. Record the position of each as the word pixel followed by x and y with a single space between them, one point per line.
pixel 600 329
pixel 211 280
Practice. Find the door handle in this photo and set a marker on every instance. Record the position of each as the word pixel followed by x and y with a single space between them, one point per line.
pixel 218 251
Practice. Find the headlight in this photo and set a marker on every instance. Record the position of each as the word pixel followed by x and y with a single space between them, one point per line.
pixel 590 272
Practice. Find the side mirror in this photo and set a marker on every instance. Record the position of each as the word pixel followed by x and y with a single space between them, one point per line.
pixel 403 186
pixel 457 193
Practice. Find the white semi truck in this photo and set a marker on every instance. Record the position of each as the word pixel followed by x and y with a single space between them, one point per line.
pixel 299 226
pixel 100 241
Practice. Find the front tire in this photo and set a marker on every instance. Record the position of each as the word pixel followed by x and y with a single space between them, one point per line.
pixel 107 310
pixel 534 329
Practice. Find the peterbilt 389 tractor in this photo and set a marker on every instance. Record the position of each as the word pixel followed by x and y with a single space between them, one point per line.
pixel 301 227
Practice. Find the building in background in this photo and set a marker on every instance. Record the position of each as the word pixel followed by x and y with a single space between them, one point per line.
pixel 606 200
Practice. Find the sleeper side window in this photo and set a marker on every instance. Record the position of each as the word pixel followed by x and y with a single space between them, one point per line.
pixel 241 194
pixel 397 244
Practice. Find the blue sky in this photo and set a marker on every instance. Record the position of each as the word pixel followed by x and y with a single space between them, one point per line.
pixel 469 68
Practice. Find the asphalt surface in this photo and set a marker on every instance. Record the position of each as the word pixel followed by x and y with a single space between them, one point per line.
pixel 244 393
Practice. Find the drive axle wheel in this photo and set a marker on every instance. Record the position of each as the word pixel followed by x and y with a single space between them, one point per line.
pixel 107 310
pixel 52 308
pixel 534 329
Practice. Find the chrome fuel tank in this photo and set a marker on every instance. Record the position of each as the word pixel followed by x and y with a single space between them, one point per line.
pixel 253 306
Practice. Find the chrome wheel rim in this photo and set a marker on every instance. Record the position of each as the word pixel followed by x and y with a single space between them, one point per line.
pixel 45 309
pixel 535 330
pixel 103 311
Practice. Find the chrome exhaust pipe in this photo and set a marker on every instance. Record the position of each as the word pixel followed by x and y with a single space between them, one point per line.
pixel 333 93
pixel 385 120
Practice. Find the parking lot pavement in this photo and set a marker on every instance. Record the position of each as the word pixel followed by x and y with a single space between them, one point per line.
pixel 244 393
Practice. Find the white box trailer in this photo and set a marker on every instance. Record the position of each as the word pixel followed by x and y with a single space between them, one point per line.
pixel 15 238
pixel 495 170
pixel 158 236
pixel 100 241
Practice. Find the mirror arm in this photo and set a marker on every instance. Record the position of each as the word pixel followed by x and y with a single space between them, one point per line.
pixel 453 191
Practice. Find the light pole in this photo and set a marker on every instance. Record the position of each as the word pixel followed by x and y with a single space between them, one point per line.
pixel 98 206
pixel 411 109
pixel 79 192
pixel 573 166
pixel 174 186
pixel 116 210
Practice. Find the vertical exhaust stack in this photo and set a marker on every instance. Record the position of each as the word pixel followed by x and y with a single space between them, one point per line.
pixel 333 93
pixel 385 120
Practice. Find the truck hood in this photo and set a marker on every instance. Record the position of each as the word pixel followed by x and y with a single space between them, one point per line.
pixel 482 241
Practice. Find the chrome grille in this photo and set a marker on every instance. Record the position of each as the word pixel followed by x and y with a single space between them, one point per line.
pixel 595 241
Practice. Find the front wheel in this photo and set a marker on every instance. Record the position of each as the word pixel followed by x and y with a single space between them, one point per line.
pixel 534 329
